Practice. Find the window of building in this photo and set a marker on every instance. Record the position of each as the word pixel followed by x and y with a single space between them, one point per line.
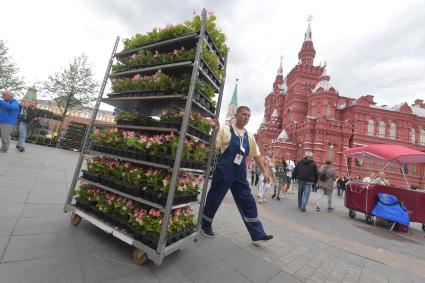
pixel 289 115
pixel 381 133
pixel 330 153
pixel 393 130
pixel 422 137
pixel 414 170
pixel 370 127
pixel 413 135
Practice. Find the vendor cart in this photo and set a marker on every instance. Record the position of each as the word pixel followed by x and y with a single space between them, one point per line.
pixel 361 196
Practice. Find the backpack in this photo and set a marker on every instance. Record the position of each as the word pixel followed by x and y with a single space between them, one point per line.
pixel 323 176
pixel 22 113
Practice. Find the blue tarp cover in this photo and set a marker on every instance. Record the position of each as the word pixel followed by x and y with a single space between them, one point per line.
pixel 388 207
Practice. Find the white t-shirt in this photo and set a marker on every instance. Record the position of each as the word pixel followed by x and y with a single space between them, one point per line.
pixel 290 166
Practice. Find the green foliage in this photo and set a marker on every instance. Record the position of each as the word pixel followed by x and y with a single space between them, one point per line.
pixel 9 78
pixel 171 31
pixel 74 87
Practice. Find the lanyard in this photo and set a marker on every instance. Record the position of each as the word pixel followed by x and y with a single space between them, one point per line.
pixel 241 138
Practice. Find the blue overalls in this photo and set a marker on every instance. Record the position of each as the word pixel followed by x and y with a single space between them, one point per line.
pixel 230 175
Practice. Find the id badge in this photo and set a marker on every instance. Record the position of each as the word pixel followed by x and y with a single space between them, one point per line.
pixel 238 159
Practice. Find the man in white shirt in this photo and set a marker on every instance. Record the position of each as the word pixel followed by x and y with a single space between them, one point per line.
pixel 290 166
pixel 235 144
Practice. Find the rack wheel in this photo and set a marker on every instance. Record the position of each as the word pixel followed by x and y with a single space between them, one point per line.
pixel 352 213
pixel 369 219
pixel 423 227
pixel 139 257
pixel 75 219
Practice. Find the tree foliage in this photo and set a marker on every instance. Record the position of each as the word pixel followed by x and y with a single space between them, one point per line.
pixel 8 71
pixel 73 88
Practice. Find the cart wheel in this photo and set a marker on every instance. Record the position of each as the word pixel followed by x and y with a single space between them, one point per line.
pixel 423 227
pixel 75 219
pixel 369 219
pixel 352 213
pixel 139 257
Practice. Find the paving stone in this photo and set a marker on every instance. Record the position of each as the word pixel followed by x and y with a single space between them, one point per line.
pixel 6 226
pixel 61 269
pixel 28 226
pixel 216 273
pixel 43 210
pixel 13 197
pixel 37 246
pixel 284 277
pixel 252 267
pixel 8 210
pixel 219 247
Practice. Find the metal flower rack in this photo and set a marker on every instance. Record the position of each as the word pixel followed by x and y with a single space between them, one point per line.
pixel 152 103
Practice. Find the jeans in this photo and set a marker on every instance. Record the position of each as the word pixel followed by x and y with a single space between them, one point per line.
pixel 320 197
pixel 23 127
pixel 340 192
pixel 304 189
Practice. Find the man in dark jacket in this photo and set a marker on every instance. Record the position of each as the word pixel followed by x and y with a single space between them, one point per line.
pixel 307 174
pixel 31 114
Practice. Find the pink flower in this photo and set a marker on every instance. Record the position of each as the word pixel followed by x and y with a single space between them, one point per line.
pixel 211 13
pixel 156 54
pixel 134 56
pixel 175 52
pixel 182 49
pixel 136 78
pixel 168 25
pixel 114 81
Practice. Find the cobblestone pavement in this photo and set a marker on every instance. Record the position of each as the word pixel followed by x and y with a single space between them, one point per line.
pixel 329 246
pixel 37 243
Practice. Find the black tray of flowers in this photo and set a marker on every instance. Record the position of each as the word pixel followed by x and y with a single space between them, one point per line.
pixel 191 130
pixel 152 240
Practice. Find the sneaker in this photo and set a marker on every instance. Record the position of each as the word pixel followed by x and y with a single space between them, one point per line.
pixel 331 209
pixel 278 198
pixel 263 239
pixel 264 200
pixel 317 208
pixel 302 209
pixel 207 231
pixel 283 196
pixel 273 195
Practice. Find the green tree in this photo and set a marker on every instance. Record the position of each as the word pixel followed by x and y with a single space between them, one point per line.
pixel 8 71
pixel 73 88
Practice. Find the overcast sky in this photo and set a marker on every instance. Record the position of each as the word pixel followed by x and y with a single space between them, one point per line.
pixel 371 47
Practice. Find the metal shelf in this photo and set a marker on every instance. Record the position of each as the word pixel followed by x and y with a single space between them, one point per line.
pixel 147 163
pixel 145 128
pixel 166 42
pixel 141 200
pixel 153 105
pixel 185 39
pixel 163 67
pixel 133 127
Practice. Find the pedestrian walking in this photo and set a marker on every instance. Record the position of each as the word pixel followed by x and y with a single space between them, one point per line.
pixel 235 143
pixel 29 115
pixel 280 180
pixel 9 109
pixel 326 183
pixel 307 174
pixel 252 169
pixel 290 166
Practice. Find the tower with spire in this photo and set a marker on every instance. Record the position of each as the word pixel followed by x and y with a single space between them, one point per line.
pixel 233 106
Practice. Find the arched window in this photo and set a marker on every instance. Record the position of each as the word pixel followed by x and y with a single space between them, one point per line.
pixel 422 137
pixel 289 115
pixel 393 130
pixel 381 133
pixel 370 127
pixel 330 153
pixel 413 135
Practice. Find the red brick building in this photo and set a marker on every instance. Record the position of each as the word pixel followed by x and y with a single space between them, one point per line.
pixel 304 112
